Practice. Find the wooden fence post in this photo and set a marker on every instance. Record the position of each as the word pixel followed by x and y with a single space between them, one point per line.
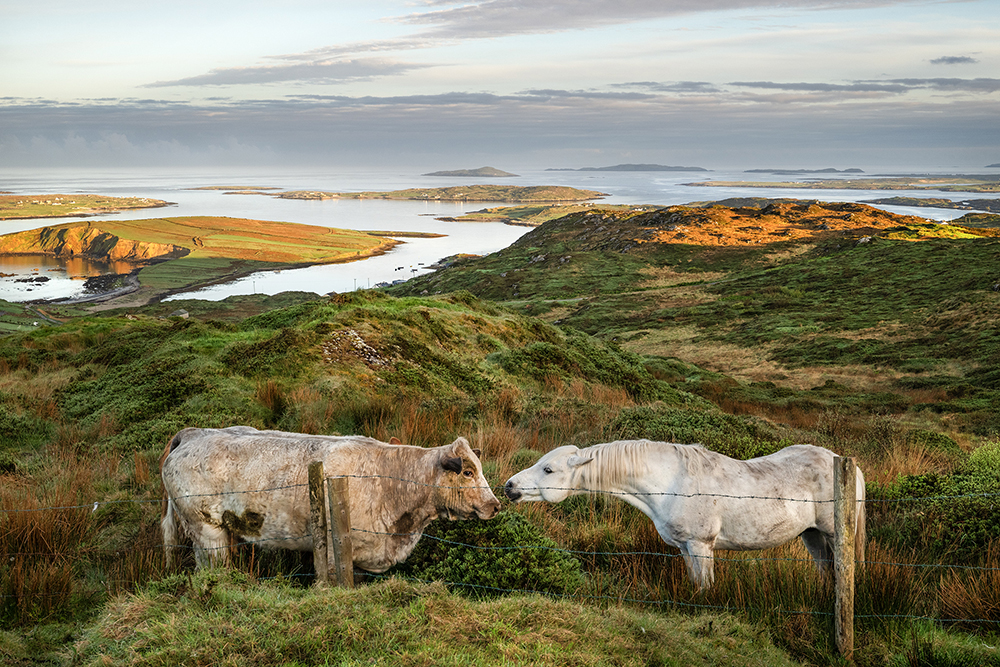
pixel 845 521
pixel 317 521
pixel 341 545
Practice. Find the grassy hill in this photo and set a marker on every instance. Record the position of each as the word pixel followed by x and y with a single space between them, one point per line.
pixel 840 325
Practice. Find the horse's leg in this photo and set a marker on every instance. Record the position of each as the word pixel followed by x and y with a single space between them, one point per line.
pixel 211 545
pixel 820 546
pixel 700 563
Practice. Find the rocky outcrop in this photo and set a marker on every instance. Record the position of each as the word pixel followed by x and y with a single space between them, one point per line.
pixel 86 241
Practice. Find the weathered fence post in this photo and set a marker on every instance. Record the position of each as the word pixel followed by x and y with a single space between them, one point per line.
pixel 845 522
pixel 341 544
pixel 317 521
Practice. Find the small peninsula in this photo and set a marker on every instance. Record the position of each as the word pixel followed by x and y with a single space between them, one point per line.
pixel 179 254
pixel 482 172
pixel 26 207
pixel 634 167
pixel 498 193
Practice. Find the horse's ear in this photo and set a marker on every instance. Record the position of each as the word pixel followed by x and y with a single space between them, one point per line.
pixel 575 461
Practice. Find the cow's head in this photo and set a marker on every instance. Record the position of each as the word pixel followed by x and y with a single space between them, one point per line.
pixel 464 490
pixel 552 479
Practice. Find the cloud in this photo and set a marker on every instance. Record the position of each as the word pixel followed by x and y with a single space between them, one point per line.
pixel 954 60
pixel 545 127
pixel 895 86
pixel 679 87
pixel 495 18
pixel 323 71
pixel 858 87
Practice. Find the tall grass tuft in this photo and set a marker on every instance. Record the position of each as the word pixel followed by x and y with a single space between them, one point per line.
pixel 43 528
pixel 973 594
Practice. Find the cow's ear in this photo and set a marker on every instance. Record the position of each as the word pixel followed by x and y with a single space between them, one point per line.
pixel 395 441
pixel 452 464
pixel 478 453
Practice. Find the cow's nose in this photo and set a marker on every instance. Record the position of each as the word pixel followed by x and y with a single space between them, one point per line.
pixel 511 491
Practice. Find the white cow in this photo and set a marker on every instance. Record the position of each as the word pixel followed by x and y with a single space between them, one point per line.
pixel 235 484
pixel 700 500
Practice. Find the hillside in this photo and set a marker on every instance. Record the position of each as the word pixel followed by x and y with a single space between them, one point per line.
pixel 789 293
pixel 794 322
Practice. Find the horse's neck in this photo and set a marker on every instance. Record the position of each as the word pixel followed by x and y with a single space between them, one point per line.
pixel 641 485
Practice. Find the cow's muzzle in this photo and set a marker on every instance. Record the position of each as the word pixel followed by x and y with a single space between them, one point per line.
pixel 489 511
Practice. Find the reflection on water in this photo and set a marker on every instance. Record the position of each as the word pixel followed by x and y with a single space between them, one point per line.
pixel 30 277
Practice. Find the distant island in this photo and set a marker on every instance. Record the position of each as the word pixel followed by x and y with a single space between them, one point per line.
pixel 784 172
pixel 634 167
pixel 498 193
pixel 942 183
pixel 482 172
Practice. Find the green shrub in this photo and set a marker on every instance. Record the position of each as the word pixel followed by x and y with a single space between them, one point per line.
pixel 951 515
pixel 488 558
pixel 581 356
pixel 933 440
pixel 738 437
pixel 985 460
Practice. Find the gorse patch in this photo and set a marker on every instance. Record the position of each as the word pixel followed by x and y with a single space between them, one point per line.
pixel 506 554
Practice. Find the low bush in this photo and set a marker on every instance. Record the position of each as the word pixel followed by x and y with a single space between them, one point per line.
pixel 488 558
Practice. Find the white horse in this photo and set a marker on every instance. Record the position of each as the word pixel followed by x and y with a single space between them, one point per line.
pixel 700 500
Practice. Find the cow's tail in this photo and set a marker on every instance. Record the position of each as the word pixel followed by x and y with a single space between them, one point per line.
pixel 860 535
pixel 169 525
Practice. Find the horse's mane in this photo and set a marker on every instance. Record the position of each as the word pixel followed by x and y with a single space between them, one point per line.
pixel 615 462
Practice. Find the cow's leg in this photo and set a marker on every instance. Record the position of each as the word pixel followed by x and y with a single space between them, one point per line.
pixel 820 546
pixel 211 546
pixel 700 561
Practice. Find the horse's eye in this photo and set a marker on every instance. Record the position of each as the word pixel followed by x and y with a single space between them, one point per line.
pixel 547 470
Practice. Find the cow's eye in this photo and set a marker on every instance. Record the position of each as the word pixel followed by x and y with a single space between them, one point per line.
pixel 467 473
pixel 547 470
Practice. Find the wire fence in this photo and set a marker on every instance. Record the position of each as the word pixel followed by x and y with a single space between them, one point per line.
pixel 94 506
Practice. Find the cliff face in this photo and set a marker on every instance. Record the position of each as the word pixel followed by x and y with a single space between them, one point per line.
pixel 86 241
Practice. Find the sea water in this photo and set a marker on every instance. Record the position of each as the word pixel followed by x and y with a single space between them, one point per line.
pixel 411 257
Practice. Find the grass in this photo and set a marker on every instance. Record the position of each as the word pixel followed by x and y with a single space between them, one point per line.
pixel 86 407
pixel 394 622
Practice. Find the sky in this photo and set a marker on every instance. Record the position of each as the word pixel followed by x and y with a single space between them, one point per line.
pixel 437 84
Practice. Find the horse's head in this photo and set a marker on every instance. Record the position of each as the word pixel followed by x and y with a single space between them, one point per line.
pixel 552 479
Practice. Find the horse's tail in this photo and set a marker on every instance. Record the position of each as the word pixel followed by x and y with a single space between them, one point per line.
pixel 168 514
pixel 860 535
